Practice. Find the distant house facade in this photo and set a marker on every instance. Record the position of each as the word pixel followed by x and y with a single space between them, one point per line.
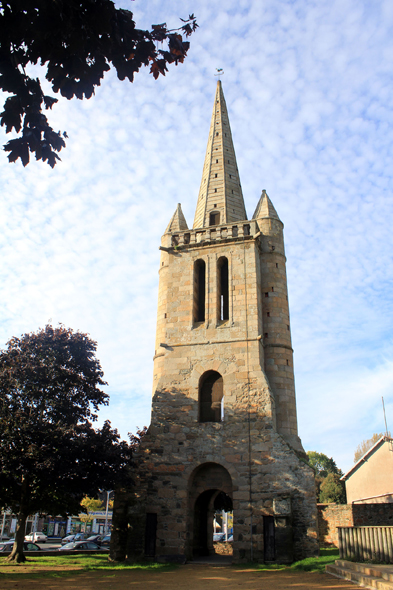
pixel 370 480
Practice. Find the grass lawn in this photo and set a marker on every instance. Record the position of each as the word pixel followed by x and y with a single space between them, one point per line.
pixel 310 564
pixel 64 565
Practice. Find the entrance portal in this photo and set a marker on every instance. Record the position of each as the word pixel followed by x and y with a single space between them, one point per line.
pixel 210 490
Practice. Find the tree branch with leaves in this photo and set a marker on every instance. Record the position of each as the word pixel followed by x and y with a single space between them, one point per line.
pixel 90 505
pixel 329 487
pixel 76 41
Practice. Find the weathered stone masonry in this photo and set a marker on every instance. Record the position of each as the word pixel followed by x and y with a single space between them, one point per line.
pixel 331 516
pixel 223 431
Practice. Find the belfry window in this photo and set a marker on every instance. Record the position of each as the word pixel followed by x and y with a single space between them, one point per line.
pixel 222 289
pixel 211 397
pixel 199 291
pixel 214 218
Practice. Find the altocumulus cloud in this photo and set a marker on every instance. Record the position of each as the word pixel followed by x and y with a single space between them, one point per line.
pixel 308 87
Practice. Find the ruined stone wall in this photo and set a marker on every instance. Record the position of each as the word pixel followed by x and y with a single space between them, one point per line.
pixel 331 516
pixel 281 484
pixel 171 456
pixel 372 514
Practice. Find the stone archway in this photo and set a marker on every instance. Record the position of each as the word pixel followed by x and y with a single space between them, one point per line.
pixel 209 489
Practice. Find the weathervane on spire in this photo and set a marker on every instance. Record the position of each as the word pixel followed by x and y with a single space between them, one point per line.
pixel 220 72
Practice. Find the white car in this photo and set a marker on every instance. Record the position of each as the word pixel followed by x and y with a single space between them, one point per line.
pixel 36 538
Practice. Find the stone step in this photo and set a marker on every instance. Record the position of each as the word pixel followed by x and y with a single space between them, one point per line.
pixel 367 576
pixel 378 571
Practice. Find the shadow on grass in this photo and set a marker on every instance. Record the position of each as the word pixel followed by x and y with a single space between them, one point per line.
pixel 310 564
pixel 66 566
pixel 70 565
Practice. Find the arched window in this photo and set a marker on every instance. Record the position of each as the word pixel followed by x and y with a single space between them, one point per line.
pixel 222 289
pixel 211 397
pixel 199 291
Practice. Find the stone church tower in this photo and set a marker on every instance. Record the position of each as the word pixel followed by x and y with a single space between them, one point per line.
pixel 223 431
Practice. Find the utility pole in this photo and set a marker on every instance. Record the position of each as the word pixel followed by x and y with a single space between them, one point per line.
pixel 106 511
pixel 2 525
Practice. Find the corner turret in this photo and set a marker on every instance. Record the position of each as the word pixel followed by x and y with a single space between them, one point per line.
pixel 178 221
pixel 278 352
pixel 265 207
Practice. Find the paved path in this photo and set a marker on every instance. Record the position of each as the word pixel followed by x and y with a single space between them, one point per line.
pixel 187 577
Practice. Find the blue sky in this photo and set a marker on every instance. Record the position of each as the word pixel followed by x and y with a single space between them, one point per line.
pixel 309 89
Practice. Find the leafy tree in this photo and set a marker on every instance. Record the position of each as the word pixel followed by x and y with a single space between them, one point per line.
pixel 327 478
pixel 332 489
pixel 50 455
pixel 77 41
pixel 366 445
pixel 322 464
pixel 90 505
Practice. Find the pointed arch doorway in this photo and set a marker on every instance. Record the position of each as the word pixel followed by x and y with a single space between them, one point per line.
pixel 210 490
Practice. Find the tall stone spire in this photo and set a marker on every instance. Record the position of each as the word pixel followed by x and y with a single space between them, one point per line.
pixel 220 197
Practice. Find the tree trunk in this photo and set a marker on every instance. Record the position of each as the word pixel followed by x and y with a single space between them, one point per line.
pixel 17 550
pixel 119 534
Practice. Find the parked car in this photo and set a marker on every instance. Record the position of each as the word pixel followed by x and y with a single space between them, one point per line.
pixel 106 541
pixel 36 537
pixel 95 539
pixel 74 538
pixel 67 539
pixel 8 545
pixel 220 538
pixel 81 546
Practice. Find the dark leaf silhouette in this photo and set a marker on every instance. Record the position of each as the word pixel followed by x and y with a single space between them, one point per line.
pixel 76 41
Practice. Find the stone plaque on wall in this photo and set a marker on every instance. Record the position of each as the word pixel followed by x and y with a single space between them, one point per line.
pixel 282 506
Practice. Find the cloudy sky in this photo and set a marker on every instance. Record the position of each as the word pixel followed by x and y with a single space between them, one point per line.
pixel 309 89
